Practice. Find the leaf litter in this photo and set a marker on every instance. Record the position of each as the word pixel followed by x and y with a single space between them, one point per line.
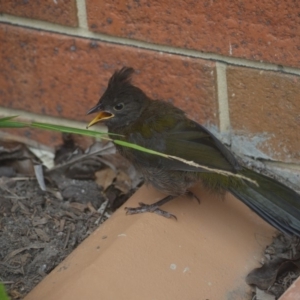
pixel 46 213
pixel 280 267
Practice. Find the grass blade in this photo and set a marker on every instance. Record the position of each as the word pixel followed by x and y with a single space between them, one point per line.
pixel 67 129
pixel 6 122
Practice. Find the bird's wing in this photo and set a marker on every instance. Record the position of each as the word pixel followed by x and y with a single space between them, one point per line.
pixel 190 141
pixel 195 143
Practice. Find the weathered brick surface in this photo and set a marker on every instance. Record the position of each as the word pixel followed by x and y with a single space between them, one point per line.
pixel 54 11
pixel 266 30
pixel 45 137
pixel 48 137
pixel 64 76
pixel 266 105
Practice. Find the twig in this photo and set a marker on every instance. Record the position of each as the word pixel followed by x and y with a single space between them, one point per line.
pixel 67 238
pixel 75 159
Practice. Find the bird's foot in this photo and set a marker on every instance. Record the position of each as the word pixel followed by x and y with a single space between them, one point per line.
pixel 192 195
pixel 154 208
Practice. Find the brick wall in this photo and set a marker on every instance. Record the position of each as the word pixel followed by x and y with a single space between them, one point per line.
pixel 231 65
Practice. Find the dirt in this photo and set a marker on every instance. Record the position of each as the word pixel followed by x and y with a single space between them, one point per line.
pixel 38 229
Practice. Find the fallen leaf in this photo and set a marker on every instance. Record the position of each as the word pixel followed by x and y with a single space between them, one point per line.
pixel 24 258
pixel 17 251
pixel 39 221
pixel 262 295
pixel 39 174
pixel 17 156
pixel 42 235
pixel 123 182
pixel 265 276
pixel 91 207
pixel 79 206
pixel 105 177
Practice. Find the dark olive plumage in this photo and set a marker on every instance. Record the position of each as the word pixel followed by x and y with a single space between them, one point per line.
pixel 160 126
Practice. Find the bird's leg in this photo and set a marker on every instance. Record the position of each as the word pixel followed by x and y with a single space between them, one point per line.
pixel 152 208
pixel 191 194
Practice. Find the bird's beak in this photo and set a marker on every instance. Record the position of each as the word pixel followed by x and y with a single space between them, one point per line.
pixel 102 115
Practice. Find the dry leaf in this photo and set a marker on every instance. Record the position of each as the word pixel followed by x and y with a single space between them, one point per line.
pixel 265 276
pixel 39 174
pixel 91 207
pixel 123 182
pixel 79 206
pixel 75 163
pixel 17 156
pixel 42 235
pixel 24 258
pixel 39 221
pixel 105 177
pixel 281 267
pixel 262 295
pixel 62 224
pixel 17 251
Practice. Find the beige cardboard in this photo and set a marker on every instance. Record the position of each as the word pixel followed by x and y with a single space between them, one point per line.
pixel 205 254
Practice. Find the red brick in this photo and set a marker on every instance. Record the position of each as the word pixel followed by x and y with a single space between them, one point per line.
pixel 266 30
pixel 54 11
pixel 45 137
pixel 266 104
pixel 64 76
pixel 48 137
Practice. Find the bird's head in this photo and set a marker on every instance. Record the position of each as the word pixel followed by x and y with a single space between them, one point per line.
pixel 121 104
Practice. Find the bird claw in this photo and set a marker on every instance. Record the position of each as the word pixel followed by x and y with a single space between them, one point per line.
pixel 191 194
pixel 148 208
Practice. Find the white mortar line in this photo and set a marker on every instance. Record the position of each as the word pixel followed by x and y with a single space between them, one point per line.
pixel 81 13
pixel 84 33
pixel 224 118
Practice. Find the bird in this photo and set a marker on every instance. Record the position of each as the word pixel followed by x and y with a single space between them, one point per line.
pixel 160 126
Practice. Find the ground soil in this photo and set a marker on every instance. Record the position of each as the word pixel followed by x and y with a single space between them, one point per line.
pixel 39 229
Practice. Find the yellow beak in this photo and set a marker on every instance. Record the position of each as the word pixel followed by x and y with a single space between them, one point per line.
pixel 103 115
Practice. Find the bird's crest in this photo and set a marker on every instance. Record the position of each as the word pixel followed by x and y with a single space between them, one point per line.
pixel 122 76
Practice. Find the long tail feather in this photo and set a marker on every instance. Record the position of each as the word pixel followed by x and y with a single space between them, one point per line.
pixel 276 203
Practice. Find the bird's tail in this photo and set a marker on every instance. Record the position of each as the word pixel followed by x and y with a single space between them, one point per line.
pixel 274 202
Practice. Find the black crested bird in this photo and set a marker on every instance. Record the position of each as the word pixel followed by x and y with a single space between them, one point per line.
pixel 160 126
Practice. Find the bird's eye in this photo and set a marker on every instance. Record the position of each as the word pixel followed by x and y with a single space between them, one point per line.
pixel 119 106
